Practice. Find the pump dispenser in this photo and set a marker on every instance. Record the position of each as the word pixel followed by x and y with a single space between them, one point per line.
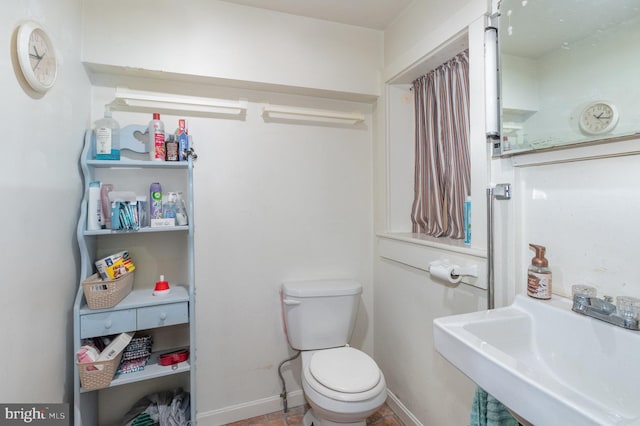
pixel 107 131
pixel 539 275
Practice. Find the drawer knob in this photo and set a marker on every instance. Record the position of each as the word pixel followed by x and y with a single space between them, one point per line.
pixel 108 323
pixel 163 316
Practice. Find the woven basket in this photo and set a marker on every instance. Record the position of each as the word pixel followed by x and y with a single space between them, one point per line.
pixel 104 294
pixel 98 374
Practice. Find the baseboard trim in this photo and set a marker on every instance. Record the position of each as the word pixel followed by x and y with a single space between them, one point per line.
pixel 401 411
pixel 249 409
pixel 272 404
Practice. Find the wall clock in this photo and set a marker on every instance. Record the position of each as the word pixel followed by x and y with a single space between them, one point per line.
pixel 598 117
pixel 36 56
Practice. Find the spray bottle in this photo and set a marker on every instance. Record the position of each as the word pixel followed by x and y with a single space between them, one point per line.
pixel 155 201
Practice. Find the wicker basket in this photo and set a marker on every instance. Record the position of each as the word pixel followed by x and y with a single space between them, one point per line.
pixel 104 294
pixel 98 374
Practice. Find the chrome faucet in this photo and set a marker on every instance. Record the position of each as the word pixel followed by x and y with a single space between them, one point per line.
pixel 605 310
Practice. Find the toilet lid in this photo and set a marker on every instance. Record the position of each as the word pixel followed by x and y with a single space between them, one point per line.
pixel 344 369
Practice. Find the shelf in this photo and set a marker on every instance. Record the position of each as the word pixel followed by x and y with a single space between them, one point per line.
pixel 115 76
pixel 151 371
pixel 142 101
pixel 141 298
pixel 280 112
pixel 170 318
pixel 143 230
pixel 141 164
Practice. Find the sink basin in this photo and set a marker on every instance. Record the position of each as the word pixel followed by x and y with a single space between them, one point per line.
pixel 546 363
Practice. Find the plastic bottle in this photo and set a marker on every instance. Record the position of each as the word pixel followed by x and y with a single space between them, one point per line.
pixel 162 287
pixel 156 138
pixel 107 137
pixel 182 137
pixel 155 201
pixel 105 205
pixel 467 220
pixel 93 206
pixel 141 204
pixel 171 149
pixel 169 206
pixel 181 211
pixel 539 275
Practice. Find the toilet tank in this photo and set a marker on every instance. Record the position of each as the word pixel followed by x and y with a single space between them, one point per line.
pixel 320 314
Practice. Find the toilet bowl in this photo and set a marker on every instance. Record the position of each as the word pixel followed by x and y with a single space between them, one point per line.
pixel 342 385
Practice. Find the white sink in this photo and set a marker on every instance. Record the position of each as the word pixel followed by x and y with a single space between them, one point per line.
pixel 546 363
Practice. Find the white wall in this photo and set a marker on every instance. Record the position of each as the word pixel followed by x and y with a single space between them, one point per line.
pixel 520 85
pixel 42 189
pixel 225 41
pixel 399 158
pixel 580 204
pixel 425 388
pixel 423 28
pixel 274 201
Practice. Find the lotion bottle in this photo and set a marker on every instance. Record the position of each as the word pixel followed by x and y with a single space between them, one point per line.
pixel 539 275
pixel 156 138
pixel 93 207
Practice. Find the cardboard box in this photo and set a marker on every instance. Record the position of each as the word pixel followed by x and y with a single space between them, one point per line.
pixel 111 267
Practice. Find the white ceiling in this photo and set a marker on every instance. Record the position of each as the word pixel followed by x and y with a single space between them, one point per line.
pixel 375 14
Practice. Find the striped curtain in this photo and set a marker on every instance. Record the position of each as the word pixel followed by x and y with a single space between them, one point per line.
pixel 442 165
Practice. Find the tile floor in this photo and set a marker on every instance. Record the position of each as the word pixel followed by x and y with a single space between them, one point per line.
pixel 383 417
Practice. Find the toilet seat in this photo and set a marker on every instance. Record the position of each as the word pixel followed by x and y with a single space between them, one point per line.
pixel 344 370
pixel 329 374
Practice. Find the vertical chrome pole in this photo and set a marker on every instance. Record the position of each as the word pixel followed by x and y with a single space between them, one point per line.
pixel 502 191
pixel 490 274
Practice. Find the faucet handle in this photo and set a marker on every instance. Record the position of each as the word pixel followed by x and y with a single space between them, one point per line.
pixel 583 289
pixel 607 298
pixel 628 307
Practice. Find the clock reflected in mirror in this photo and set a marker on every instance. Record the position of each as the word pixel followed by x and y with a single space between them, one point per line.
pixel 598 118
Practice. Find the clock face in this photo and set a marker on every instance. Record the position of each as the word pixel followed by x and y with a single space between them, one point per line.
pixel 36 56
pixel 598 117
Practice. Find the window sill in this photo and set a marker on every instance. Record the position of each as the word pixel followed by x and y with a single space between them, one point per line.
pixel 418 251
pixel 455 246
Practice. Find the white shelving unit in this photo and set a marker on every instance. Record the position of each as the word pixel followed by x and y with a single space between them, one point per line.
pixel 168 251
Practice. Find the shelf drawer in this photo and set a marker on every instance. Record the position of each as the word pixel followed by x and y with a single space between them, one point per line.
pixel 105 323
pixel 163 315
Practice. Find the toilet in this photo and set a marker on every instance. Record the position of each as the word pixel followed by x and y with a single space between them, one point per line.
pixel 343 385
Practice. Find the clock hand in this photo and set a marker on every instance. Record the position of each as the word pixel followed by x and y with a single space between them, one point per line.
pixel 37 55
pixel 39 60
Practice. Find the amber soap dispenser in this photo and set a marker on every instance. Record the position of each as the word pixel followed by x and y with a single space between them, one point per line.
pixel 539 275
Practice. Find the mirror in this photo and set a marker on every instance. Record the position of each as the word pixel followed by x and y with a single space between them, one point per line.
pixel 570 72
